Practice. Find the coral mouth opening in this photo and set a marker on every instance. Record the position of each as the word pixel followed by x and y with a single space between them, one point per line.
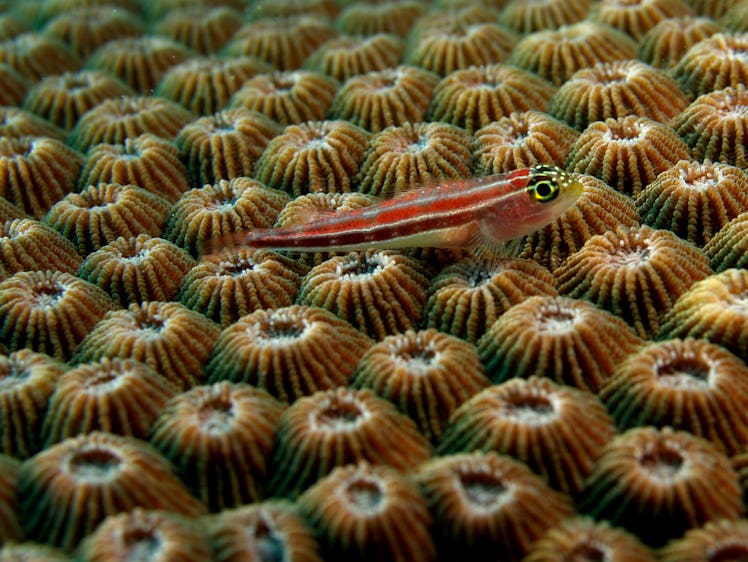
pixel 365 495
pixel 482 490
pixel 684 373
pixel 95 464
pixel 529 409
pixel 662 463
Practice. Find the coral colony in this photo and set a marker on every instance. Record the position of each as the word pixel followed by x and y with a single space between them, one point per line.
pixel 381 281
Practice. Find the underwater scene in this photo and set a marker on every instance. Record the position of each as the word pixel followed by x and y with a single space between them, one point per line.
pixel 336 280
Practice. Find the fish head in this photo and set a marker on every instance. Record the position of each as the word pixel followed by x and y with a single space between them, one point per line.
pixel 549 193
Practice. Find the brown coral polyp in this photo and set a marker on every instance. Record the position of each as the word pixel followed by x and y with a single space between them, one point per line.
pixel 226 287
pixel 340 427
pixel 426 374
pixel 557 54
pixel 399 158
pixel 627 153
pixel 569 341
pixel 715 126
pixel 714 63
pixel 100 214
pixel 172 339
pixel 290 352
pixel 475 97
pixel 69 488
pixel 355 286
pixel 660 483
pixel 119 396
pixel 145 161
pixel 137 269
pixel 377 100
pixel 65 98
pixel 219 438
pixel 36 172
pixel 288 97
pixel 225 145
pixel 694 200
pixel 316 156
pixel 369 513
pixel 617 89
pixel 487 506
pixel 690 385
pixel 635 273
pixel 49 311
pixel 521 139
pixel 29 245
pixel 467 297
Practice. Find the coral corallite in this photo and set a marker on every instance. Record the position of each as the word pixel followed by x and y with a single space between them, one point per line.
pixel 337 427
pixel 126 117
pixel 587 540
pixel 99 214
pixel 626 153
pixel 475 97
pixel 378 100
pixel 29 245
pixel 68 489
pixel 227 206
pixel 378 292
pixel 635 273
pixel 715 126
pixel 521 140
pixel 467 297
pixel 169 337
pixel 488 507
pixel 316 156
pixel 288 97
pixel 529 16
pixel 694 200
pixel 637 17
pixel 569 341
pixel 348 56
pixel 118 396
pixel 715 309
pixel 10 529
pixel 557 54
pixel 617 89
pixel 36 172
pixel 205 85
pixel 451 45
pixel 370 514
pixel 659 483
pixel 664 45
pixel 426 374
pixel 219 438
pixel 717 540
pixel 160 536
pixel 226 287
pixel 250 531
pixel 49 311
pixel 290 352
pixel 65 98
pixel 204 28
pixel 690 385
pixel 728 248
pixel 146 161
pixel 140 62
pixel 558 431
pixel 27 381
pixel 137 269
pixel 398 158
pixel 225 145
pixel 714 64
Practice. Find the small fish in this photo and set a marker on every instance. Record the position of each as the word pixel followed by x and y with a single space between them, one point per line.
pixel 473 213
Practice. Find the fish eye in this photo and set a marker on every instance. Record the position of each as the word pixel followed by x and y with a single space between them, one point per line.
pixel 545 189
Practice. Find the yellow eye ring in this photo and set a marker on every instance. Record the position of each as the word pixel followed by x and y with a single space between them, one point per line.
pixel 545 183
